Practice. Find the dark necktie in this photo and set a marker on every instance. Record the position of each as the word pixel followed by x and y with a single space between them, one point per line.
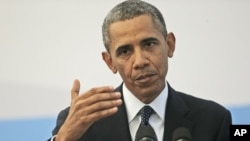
pixel 145 132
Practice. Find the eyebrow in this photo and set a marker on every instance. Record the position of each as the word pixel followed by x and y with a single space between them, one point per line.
pixel 149 39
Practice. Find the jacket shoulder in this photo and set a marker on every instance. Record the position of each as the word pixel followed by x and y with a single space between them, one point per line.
pixel 60 120
pixel 198 104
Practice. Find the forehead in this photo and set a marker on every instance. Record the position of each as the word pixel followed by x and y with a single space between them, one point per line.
pixel 133 30
pixel 138 22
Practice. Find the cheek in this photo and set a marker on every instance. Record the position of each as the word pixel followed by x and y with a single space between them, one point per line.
pixel 161 63
pixel 124 69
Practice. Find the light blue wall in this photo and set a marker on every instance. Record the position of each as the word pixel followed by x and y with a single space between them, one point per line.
pixel 39 129
pixel 240 115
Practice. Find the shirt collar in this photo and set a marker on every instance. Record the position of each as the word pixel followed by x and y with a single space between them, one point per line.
pixel 134 105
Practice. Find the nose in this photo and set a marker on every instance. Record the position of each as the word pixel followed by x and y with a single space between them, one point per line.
pixel 141 59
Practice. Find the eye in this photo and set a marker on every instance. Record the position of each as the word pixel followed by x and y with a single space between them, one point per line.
pixel 150 44
pixel 124 50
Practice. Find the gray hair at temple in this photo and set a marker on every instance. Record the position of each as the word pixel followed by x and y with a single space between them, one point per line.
pixel 130 9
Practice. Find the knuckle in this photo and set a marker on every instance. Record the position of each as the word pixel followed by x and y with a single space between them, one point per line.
pixel 98 96
pixel 86 119
pixel 101 114
pixel 93 90
pixel 100 105
pixel 114 102
pixel 77 105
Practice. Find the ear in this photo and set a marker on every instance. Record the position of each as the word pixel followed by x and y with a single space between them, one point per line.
pixel 108 60
pixel 170 38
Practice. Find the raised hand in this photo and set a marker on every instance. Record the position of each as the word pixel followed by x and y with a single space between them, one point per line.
pixel 87 108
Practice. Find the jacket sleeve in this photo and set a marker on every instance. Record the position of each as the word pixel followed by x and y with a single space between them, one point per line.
pixel 60 120
pixel 224 132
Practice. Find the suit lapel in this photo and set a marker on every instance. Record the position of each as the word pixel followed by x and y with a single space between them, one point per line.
pixel 175 114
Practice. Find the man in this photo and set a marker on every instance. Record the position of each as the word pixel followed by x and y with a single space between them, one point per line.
pixel 138 47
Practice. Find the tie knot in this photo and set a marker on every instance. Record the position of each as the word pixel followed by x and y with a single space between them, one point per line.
pixel 145 112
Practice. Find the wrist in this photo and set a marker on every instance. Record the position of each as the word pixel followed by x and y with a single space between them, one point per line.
pixel 62 137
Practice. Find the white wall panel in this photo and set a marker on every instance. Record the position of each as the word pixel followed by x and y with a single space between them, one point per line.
pixel 44 45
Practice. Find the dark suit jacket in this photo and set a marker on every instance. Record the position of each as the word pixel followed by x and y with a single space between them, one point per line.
pixel 206 120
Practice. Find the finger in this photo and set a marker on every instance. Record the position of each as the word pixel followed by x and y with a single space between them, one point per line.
pixel 102 97
pixel 75 89
pixel 102 114
pixel 103 105
pixel 99 90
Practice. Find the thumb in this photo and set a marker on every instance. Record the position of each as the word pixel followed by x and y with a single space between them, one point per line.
pixel 75 89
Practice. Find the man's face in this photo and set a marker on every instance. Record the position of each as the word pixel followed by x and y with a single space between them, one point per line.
pixel 139 52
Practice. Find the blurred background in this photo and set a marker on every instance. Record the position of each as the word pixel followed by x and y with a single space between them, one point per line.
pixel 46 44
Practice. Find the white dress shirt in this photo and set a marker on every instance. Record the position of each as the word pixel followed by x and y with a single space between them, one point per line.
pixel 156 120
